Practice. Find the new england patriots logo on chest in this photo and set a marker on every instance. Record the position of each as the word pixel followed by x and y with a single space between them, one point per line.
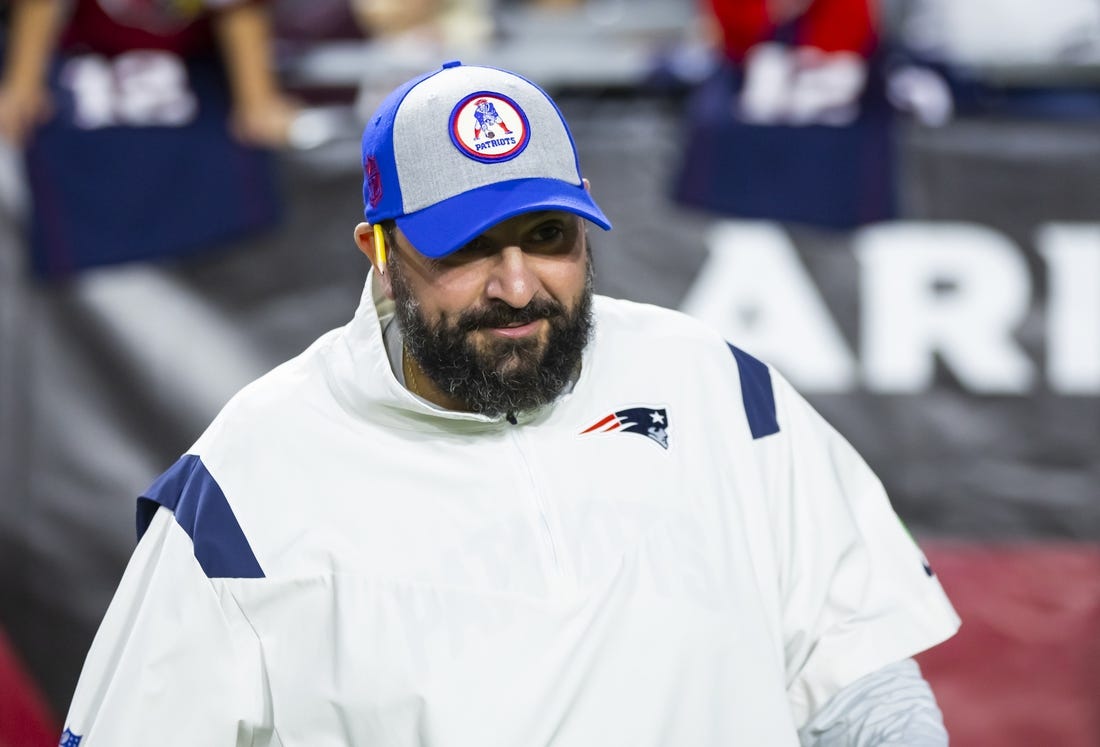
pixel 651 422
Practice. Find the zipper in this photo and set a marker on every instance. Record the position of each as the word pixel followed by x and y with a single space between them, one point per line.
pixel 541 507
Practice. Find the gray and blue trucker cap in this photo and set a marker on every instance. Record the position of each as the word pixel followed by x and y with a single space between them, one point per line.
pixel 452 153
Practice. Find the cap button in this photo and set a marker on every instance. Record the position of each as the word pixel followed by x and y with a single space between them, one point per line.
pixel 452 63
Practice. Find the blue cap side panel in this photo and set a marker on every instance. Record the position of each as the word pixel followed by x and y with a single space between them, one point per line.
pixel 377 142
pixel 201 509
pixel 756 394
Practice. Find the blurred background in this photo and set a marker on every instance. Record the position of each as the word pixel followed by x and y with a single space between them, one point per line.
pixel 897 203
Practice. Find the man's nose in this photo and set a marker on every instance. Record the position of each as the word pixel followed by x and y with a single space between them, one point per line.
pixel 512 279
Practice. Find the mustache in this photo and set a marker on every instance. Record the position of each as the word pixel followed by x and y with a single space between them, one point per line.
pixel 500 314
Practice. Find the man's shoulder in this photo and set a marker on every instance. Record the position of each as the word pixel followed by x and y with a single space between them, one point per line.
pixel 641 337
pixel 631 323
pixel 230 491
pixel 275 399
pixel 654 334
pixel 617 316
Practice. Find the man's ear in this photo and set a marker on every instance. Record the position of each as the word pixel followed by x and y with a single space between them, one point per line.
pixel 373 244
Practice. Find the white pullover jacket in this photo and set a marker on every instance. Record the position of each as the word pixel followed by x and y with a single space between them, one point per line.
pixel 679 551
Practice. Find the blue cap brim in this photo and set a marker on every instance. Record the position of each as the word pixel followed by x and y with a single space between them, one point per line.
pixel 447 226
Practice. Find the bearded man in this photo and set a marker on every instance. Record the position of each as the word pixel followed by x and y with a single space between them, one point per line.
pixel 495 509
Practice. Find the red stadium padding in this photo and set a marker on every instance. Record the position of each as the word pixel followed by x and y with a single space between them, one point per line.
pixel 1024 669
pixel 25 721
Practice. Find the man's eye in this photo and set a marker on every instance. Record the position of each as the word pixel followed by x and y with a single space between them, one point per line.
pixel 548 232
pixel 477 247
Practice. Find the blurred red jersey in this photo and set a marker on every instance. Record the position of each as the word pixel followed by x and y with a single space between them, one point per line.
pixel 828 25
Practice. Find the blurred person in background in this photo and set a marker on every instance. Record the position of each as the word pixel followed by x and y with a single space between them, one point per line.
pixel 804 61
pixel 169 103
pixel 453 24
pixel 238 29
pixel 460 26
pixel 793 125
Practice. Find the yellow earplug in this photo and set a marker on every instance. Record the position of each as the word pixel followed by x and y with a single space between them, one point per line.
pixel 380 248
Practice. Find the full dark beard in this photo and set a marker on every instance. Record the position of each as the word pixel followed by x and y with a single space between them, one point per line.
pixel 505 376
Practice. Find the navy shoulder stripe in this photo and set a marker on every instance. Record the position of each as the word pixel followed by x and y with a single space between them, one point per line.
pixel 756 394
pixel 189 491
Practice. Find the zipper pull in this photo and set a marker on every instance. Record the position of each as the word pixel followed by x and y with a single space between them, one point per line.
pixel 511 417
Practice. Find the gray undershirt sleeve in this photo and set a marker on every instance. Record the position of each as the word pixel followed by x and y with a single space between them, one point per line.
pixel 892 707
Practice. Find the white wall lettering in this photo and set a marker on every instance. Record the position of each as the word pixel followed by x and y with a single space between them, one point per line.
pixel 755 291
pixel 956 290
pixel 1072 253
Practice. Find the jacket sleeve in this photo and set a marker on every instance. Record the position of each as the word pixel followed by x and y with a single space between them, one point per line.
pixel 174 661
pixel 892 707
pixel 856 592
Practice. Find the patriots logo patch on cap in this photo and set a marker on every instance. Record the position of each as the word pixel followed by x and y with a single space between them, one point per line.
pixel 489 127
pixel 650 422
